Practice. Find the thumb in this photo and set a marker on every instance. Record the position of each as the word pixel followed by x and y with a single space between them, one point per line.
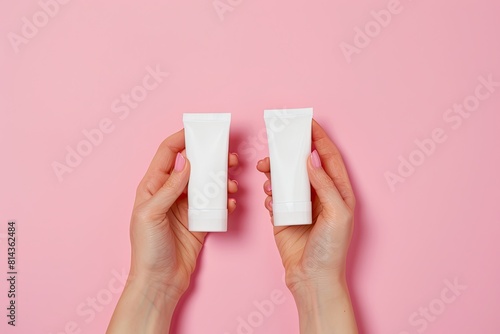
pixel 163 199
pixel 324 186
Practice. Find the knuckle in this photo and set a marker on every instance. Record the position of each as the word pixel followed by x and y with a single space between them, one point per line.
pixel 146 186
pixel 165 143
pixel 346 217
pixel 325 183
pixel 169 185
pixel 141 214
pixel 352 198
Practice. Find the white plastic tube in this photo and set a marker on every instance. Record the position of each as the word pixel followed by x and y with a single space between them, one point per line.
pixel 207 145
pixel 289 140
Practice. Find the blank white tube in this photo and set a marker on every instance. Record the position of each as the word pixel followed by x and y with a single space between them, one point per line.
pixel 207 147
pixel 289 140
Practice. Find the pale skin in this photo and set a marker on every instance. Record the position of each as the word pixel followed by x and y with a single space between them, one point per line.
pixel 314 256
pixel 164 252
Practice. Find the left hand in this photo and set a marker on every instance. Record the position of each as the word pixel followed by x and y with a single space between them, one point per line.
pixel 317 252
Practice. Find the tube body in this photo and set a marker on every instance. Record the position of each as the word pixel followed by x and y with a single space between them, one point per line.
pixel 207 145
pixel 289 140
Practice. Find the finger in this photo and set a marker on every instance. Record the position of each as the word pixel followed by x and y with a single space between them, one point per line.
pixel 333 163
pixel 231 205
pixel 324 186
pixel 267 187
pixel 173 187
pixel 232 186
pixel 264 166
pixel 160 166
pixel 233 160
pixel 268 203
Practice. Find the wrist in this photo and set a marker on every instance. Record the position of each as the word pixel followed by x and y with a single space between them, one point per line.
pixel 324 306
pixel 302 281
pixel 156 289
pixel 145 306
pixel 312 294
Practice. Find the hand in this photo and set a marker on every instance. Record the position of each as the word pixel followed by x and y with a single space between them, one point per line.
pixel 314 256
pixel 164 251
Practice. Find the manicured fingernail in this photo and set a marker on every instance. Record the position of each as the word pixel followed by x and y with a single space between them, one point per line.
pixel 268 187
pixel 316 162
pixel 179 162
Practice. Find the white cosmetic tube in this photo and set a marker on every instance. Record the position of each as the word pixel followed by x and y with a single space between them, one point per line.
pixel 289 140
pixel 207 146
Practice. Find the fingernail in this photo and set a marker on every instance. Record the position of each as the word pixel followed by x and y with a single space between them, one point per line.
pixel 233 200
pixel 271 204
pixel 268 187
pixel 235 181
pixel 236 154
pixel 179 162
pixel 316 162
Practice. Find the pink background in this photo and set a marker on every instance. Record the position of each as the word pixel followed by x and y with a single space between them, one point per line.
pixel 441 224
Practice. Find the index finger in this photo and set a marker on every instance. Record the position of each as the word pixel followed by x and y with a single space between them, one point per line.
pixel 160 166
pixel 333 163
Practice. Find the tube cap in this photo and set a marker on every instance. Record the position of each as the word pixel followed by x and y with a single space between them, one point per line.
pixel 205 220
pixel 292 213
